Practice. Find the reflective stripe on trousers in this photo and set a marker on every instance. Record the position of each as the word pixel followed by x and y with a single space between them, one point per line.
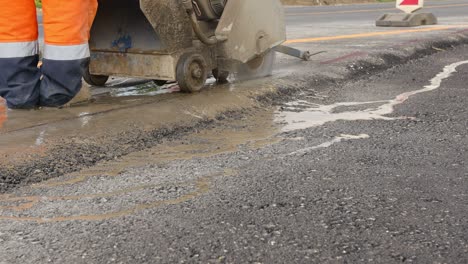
pixel 66 53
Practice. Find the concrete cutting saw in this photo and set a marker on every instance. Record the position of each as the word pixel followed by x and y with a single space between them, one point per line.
pixel 185 40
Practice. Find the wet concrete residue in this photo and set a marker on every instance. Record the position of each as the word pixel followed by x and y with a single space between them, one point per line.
pixel 343 137
pixel 303 114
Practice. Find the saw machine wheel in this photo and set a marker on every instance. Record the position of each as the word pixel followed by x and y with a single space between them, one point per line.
pixel 95 80
pixel 192 72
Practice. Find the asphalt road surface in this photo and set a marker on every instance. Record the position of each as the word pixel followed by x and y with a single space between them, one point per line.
pixel 373 171
pixel 369 167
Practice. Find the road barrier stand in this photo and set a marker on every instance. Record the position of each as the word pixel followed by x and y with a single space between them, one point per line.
pixel 409 18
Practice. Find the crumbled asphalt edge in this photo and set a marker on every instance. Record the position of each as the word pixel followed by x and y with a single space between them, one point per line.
pixel 68 157
pixel 359 70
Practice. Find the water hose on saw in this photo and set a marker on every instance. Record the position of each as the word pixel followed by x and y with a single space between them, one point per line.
pixel 210 41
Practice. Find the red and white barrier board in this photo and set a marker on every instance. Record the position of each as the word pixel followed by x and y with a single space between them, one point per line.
pixel 409 6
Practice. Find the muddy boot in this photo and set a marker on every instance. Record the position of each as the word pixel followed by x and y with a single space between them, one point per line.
pixel 83 97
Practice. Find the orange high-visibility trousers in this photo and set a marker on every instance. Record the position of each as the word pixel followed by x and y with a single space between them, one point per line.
pixel 67 26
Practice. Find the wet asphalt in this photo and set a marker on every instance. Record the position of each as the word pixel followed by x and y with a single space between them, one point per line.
pixel 387 190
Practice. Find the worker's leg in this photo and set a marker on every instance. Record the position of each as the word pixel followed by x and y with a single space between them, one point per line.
pixel 19 76
pixel 66 50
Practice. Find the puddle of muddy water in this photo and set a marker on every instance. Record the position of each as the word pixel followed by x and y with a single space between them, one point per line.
pixel 27 134
pixel 22 131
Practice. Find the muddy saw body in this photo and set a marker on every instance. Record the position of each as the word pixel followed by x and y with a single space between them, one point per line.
pixel 183 40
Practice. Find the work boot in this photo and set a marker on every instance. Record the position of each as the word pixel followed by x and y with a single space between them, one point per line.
pixel 83 97
pixel 61 81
